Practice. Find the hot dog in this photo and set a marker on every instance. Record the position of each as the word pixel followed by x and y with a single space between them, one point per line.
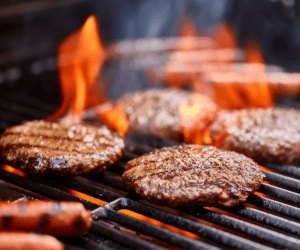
pixel 49 217
pixel 28 241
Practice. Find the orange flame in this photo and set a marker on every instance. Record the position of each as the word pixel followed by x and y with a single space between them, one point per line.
pixel 80 57
pixel 114 116
pixel 224 36
pixel 196 118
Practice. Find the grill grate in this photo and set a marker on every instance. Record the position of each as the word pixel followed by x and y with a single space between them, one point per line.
pixel 270 218
pixel 240 227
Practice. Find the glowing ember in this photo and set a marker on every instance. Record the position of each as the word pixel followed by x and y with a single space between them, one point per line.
pixel 86 197
pixel 80 57
pixel 160 224
pixel 13 170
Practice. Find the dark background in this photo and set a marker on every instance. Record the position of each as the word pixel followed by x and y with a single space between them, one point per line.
pixel 32 30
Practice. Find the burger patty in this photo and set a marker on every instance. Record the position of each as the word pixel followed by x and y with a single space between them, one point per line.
pixel 156 111
pixel 58 149
pixel 271 134
pixel 193 175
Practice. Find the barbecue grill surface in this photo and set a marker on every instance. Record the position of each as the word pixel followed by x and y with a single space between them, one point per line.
pixel 269 219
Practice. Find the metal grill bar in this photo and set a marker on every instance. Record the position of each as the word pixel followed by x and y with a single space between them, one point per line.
pixel 268 219
pixel 250 229
pixel 155 231
pixel 185 224
pixel 284 169
pixel 274 206
pixel 228 220
pixel 280 193
pixel 88 187
pixel 48 191
pixel 282 180
pixel 108 211
pixel 128 240
pixel 98 190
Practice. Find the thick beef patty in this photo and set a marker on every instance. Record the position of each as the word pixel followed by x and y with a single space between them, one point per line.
pixel 55 148
pixel 271 134
pixel 156 111
pixel 191 175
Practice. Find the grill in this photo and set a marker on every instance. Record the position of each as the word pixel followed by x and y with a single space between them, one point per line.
pixel 270 218
pixel 29 90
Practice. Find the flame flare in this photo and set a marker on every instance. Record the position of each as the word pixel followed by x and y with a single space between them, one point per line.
pixel 80 58
pixel 114 116
pixel 196 118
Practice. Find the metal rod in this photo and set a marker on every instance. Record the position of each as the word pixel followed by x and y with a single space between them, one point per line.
pixel 284 169
pixel 282 180
pixel 122 238
pixel 274 206
pixel 267 219
pixel 43 189
pixel 157 232
pixel 280 193
pixel 191 226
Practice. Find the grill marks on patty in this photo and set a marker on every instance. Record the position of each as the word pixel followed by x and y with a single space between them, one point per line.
pixel 190 175
pixel 53 148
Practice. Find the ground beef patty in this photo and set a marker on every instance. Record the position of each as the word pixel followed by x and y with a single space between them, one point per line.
pixel 55 148
pixel 190 175
pixel 271 134
pixel 156 111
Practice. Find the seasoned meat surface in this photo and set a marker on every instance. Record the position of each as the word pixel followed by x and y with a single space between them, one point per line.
pixel 58 149
pixel 156 111
pixel 193 175
pixel 271 134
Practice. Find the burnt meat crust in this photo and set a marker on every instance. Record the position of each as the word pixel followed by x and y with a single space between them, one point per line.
pixel 193 175
pixel 156 111
pixel 57 149
pixel 265 134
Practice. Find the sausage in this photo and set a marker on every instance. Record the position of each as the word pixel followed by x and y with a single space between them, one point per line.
pixel 49 217
pixel 28 241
